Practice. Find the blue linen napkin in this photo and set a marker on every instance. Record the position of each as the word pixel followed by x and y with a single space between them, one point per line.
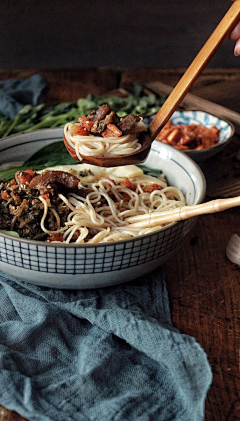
pixel 107 354
pixel 15 93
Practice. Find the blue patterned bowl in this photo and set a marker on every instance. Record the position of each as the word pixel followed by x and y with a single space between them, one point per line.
pixel 226 131
pixel 81 266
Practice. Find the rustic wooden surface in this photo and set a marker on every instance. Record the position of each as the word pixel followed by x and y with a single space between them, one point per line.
pixel 203 286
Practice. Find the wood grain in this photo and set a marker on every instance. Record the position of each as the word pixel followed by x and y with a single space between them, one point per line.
pixel 204 295
pixel 203 286
pixel 69 85
pixel 6 415
pixel 194 102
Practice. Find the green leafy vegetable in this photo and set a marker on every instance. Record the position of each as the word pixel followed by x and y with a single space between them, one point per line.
pixel 48 156
pixel 15 234
pixel 57 115
pixel 153 172
pixel 57 154
pixel 51 155
pixel 31 118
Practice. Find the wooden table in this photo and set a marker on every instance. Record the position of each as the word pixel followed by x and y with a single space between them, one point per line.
pixel 203 286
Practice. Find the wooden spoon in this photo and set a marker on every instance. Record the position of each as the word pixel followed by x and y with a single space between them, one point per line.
pixel 117 161
pixel 170 105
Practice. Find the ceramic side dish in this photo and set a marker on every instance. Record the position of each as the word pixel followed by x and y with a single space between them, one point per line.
pixel 208 120
pixel 81 266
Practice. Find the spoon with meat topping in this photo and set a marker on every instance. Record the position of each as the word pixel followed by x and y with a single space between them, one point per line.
pixel 103 136
pixel 104 139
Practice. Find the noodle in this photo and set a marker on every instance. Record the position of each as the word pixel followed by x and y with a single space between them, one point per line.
pixel 104 133
pixel 83 204
pixel 100 146
pixel 108 204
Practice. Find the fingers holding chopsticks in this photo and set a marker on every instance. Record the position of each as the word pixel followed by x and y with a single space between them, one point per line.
pixel 235 35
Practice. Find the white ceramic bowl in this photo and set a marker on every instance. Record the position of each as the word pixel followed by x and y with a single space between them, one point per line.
pixel 97 265
pixel 226 131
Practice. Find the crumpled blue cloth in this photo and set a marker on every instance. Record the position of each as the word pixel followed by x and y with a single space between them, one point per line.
pixel 15 93
pixel 107 354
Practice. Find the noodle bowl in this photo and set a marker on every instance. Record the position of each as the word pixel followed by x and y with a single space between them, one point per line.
pixel 94 265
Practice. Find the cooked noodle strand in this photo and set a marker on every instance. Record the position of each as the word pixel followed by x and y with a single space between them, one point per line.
pixel 105 206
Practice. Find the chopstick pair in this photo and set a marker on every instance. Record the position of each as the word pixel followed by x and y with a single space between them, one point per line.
pixel 185 212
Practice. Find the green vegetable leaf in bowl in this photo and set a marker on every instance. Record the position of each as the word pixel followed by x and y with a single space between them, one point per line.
pixel 48 156
pixel 55 154
pixel 15 234
pixel 153 172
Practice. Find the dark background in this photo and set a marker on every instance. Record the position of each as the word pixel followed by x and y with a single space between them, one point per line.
pixel 114 33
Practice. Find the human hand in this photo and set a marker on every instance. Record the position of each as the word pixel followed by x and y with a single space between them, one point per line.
pixel 235 35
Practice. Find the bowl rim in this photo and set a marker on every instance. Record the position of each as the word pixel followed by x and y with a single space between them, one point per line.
pixel 103 244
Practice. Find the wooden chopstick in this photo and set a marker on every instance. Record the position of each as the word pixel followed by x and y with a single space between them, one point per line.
pixel 185 212
pixel 191 102
pixel 194 70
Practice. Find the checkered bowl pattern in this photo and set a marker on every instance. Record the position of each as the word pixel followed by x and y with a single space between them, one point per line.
pixel 96 265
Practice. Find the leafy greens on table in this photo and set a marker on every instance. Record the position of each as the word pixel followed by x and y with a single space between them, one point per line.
pixel 57 115
pixel 31 118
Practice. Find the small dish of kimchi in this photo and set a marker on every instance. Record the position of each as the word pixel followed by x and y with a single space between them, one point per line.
pixel 198 134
